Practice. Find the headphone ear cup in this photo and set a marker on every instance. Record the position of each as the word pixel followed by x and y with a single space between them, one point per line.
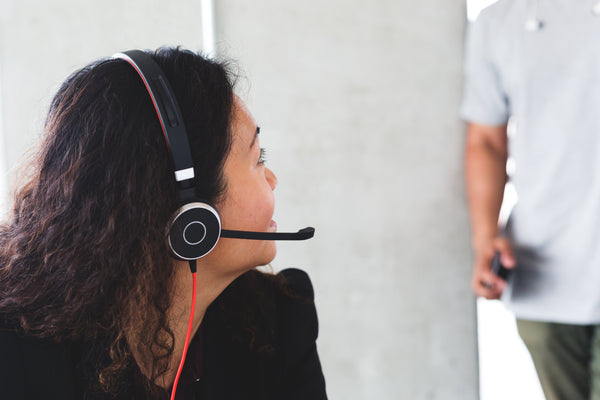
pixel 194 231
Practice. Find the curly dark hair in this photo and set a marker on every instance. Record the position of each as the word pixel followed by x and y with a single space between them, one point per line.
pixel 83 255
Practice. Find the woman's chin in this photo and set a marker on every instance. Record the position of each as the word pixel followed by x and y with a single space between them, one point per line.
pixel 270 252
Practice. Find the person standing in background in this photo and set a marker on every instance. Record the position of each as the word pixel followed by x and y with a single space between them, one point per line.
pixel 537 62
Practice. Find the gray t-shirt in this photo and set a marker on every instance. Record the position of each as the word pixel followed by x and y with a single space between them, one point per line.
pixel 548 81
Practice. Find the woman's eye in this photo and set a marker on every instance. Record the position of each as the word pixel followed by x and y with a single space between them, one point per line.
pixel 263 156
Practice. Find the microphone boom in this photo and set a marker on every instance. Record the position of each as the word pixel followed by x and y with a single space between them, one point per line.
pixel 302 234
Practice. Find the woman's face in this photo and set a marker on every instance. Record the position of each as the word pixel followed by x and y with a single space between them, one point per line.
pixel 248 203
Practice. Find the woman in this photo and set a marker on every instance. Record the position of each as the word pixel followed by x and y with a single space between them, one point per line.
pixel 92 305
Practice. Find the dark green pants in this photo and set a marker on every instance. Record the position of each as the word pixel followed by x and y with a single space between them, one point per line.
pixel 566 358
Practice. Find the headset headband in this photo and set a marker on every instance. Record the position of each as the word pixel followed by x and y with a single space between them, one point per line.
pixel 168 112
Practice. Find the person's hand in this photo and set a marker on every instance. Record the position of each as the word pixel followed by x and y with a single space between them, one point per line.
pixel 484 282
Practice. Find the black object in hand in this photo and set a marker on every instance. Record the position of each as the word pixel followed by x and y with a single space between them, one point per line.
pixel 498 269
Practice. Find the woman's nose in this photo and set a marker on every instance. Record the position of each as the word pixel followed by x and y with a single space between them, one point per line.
pixel 271 178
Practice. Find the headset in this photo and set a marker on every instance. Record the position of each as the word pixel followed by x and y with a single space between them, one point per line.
pixel 195 228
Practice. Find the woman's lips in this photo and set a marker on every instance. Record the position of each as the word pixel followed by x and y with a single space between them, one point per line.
pixel 273 225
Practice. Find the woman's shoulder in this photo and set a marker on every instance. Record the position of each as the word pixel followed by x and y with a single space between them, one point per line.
pixel 276 308
pixel 277 314
pixel 32 367
pixel 294 311
pixel 281 302
pixel 301 375
pixel 288 283
pixel 12 377
pixel 10 345
pixel 298 282
pixel 297 311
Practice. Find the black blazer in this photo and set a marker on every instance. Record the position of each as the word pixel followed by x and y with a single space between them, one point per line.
pixel 34 369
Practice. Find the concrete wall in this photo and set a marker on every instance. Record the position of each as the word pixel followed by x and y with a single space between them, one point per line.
pixel 357 102
pixel 42 42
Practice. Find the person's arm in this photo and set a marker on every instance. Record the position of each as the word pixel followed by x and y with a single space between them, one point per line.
pixel 485 169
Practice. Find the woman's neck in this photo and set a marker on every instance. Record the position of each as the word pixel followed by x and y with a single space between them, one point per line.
pixel 209 285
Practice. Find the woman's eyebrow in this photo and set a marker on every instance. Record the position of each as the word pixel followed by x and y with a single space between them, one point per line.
pixel 255 136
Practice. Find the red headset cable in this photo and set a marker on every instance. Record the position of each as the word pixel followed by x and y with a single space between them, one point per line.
pixel 189 329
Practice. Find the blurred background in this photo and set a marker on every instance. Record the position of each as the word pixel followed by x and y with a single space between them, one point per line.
pixel 358 107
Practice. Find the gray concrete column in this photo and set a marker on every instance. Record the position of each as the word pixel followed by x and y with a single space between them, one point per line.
pixel 357 103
